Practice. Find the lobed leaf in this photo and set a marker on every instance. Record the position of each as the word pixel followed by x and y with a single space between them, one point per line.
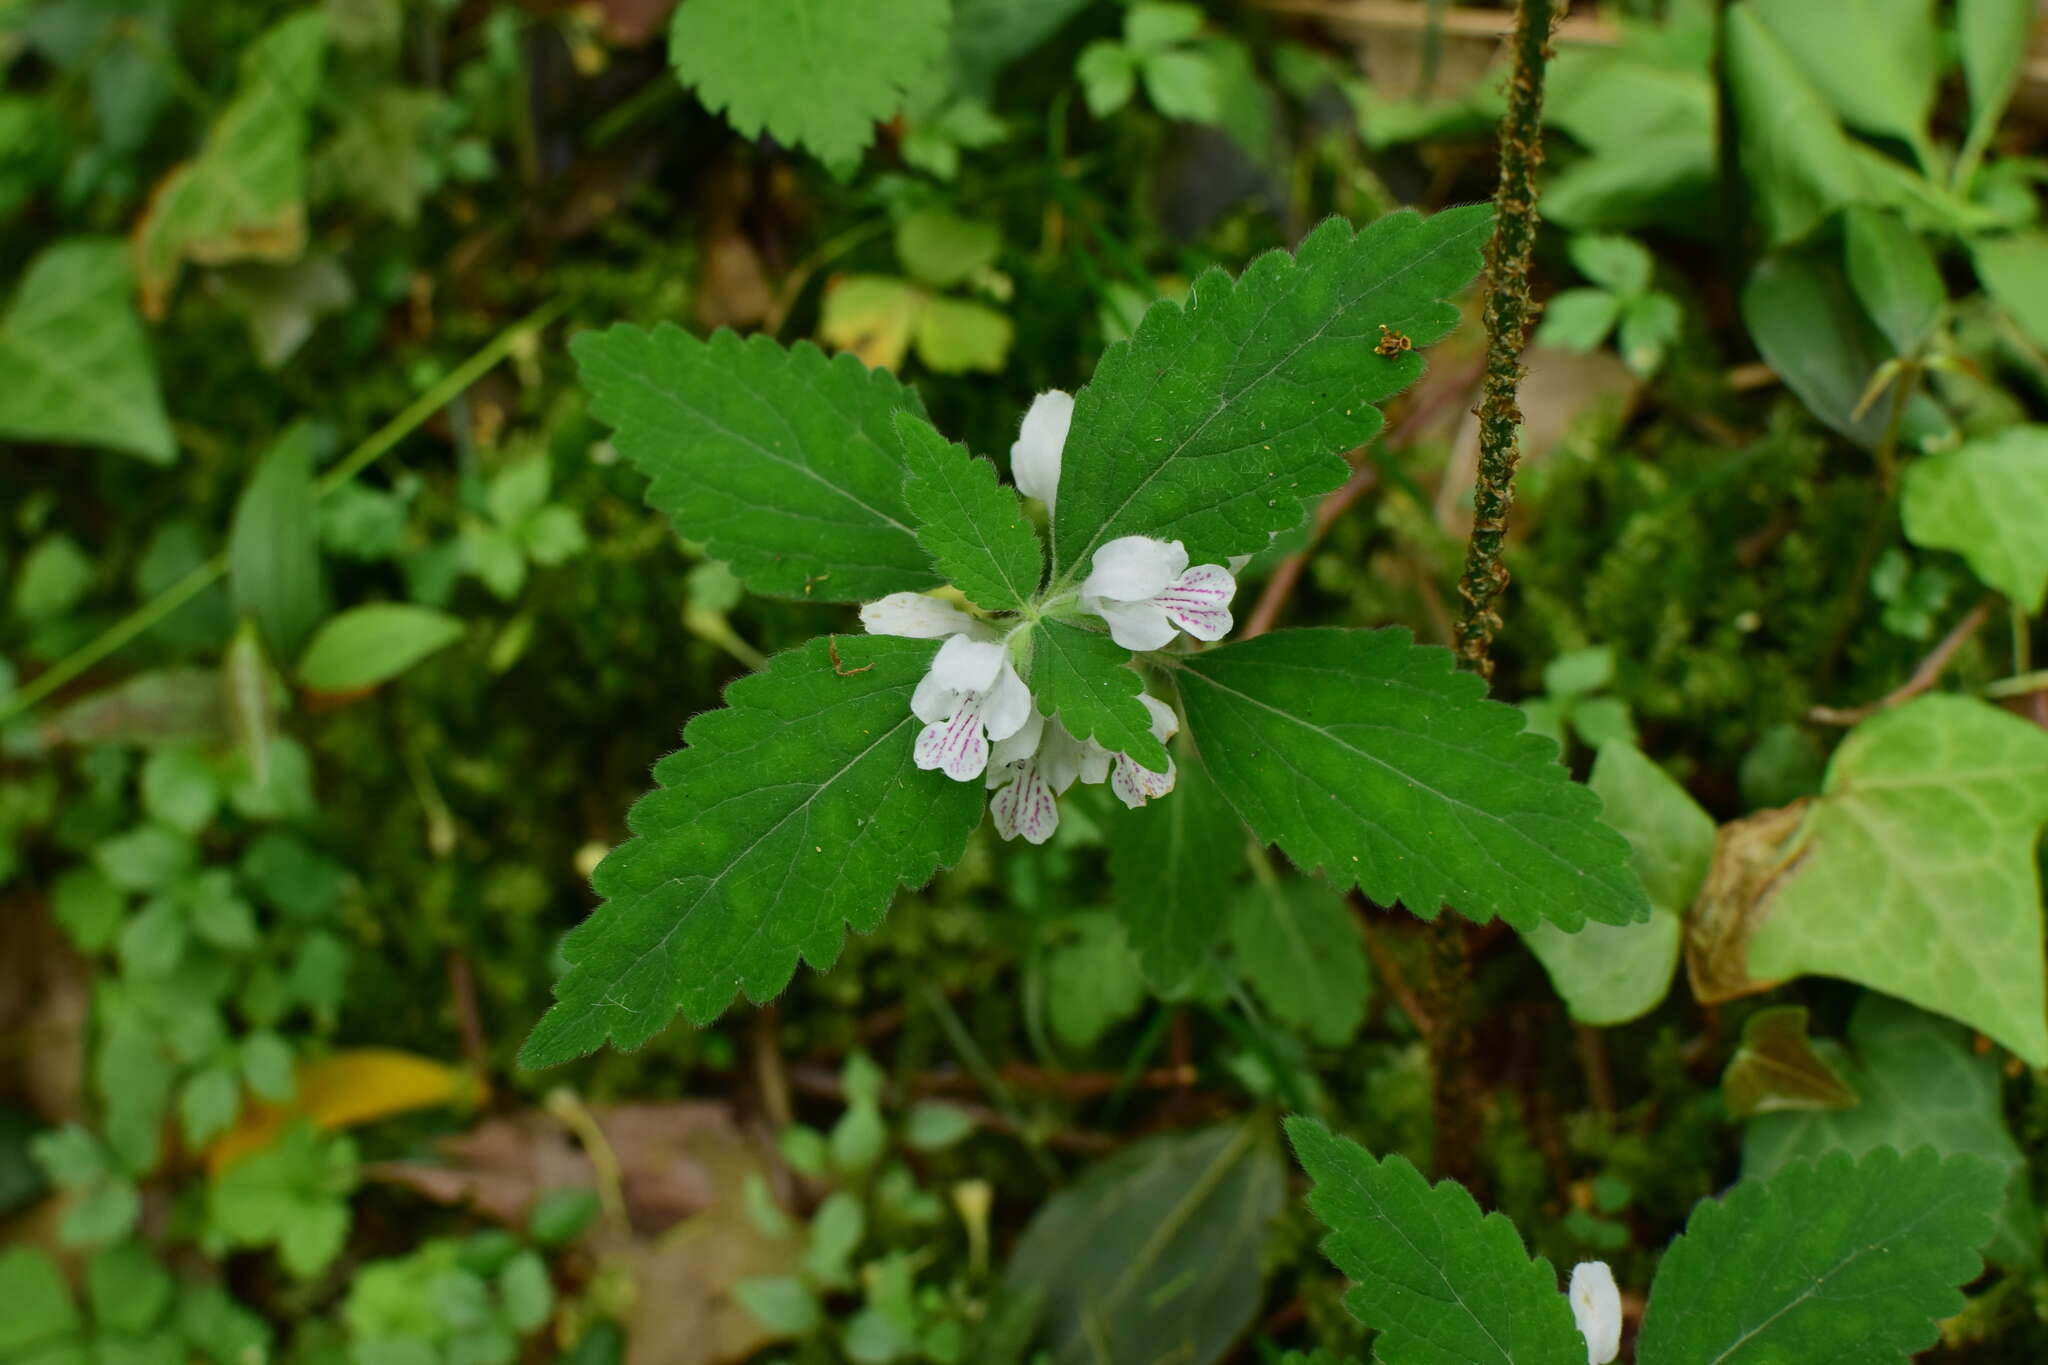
pixel 785 465
pixel 972 526
pixel 1366 755
pixel 1087 681
pixel 788 815
pixel 1440 1282
pixel 1220 418
pixel 1838 1259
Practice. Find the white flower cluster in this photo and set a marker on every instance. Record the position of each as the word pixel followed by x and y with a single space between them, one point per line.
pixel 980 718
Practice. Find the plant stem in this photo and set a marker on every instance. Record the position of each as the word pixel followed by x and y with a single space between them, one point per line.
pixel 1507 324
pixel 355 462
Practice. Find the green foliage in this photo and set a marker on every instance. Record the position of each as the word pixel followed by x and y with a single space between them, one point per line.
pixel 815 78
pixel 1366 756
pixel 1988 501
pixel 1439 1281
pixel 1300 951
pixel 79 362
pixel 972 527
pixel 1216 421
pixel 273 549
pixel 1822 1260
pixel 1173 864
pixel 1087 681
pixel 827 817
pixel 1915 871
pixel 292 1196
pixel 365 646
pixel 786 465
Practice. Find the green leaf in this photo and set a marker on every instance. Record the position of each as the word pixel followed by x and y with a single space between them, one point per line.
pixel 243 196
pixel 77 360
pixel 54 576
pixel 1578 320
pixel 1442 1284
pixel 1813 333
pixel 972 526
pixel 1776 1069
pixel 1108 76
pixel 1894 276
pixel 266 1061
pixel 526 1292
pixel 1613 262
pixel 954 336
pixel 1834 1260
pixel 791 813
pixel 1183 85
pixel 1301 952
pixel 1175 865
pixel 1086 680
pixel 1993 36
pixel 1218 420
pixel 292 1195
pixel 1155 1254
pixel 780 1303
pixel 1609 974
pixel 1875 61
pixel 179 789
pixel 208 1102
pixel 147 858
pixel 1648 327
pixel 128 1289
pixel 940 248
pixel 1988 501
pixel 1366 755
pixel 1093 982
pixel 1794 154
pixel 783 463
pixel 1579 672
pixel 2014 270
pixel 1915 870
pixel 1153 27
pixel 813 76
pixel 39 1308
pixel 274 545
pixel 1917 1083
pixel 934 1125
pixel 365 646
pixel 89 906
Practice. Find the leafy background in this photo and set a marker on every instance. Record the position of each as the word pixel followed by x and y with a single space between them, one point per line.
pixel 397 640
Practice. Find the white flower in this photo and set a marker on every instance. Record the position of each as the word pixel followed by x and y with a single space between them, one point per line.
pixel 1144 589
pixel 1596 1306
pixel 1033 767
pixel 969 697
pixel 1035 455
pixel 1133 785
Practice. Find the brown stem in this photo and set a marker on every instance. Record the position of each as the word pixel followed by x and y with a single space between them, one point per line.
pixel 469 1019
pixel 1389 970
pixel 1924 677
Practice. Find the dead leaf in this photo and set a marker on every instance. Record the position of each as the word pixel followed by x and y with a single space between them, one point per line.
pixel 1777 1070
pixel 732 289
pixel 45 991
pixel 343 1091
pixel 1750 857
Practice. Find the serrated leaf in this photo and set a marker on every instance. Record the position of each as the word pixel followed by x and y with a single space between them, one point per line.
pixel 783 463
pixel 1301 952
pixel 1154 1255
pixel 1915 871
pixel 1988 501
pixel 77 359
pixel 972 526
pixel 1219 419
pixel 791 813
pixel 1917 1083
pixel 1367 755
pixel 813 76
pixel 1612 973
pixel 243 197
pixel 1833 1260
pixel 1440 1282
pixel 1087 681
pixel 1175 865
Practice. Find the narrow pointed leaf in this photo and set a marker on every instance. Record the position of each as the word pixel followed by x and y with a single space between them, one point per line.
pixel 1440 1282
pixel 274 546
pixel 973 527
pixel 784 464
pixel 1219 418
pixel 1838 1259
pixel 1087 681
pixel 790 814
pixel 1366 755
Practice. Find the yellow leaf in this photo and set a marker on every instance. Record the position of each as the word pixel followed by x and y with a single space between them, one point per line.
pixel 871 316
pixel 342 1091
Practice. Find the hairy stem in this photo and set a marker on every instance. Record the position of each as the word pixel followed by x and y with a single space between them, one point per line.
pixel 1507 324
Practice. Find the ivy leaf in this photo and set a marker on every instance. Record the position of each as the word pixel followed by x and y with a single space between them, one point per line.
pixel 1612 973
pixel 1175 864
pixel 244 196
pixel 1838 1259
pixel 1302 954
pixel 1914 873
pixel 813 76
pixel 1917 1083
pixel 1087 681
pixel 1988 501
pixel 972 526
pixel 1366 755
pixel 1218 419
pixel 1442 1284
pixel 76 357
pixel 793 812
pixel 785 464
